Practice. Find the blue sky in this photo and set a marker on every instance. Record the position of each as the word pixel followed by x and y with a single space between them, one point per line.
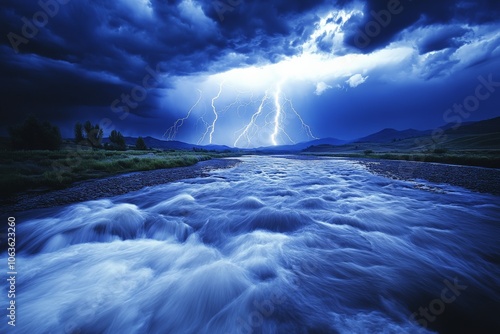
pixel 247 73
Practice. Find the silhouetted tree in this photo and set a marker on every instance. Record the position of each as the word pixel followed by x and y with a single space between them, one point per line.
pixel 140 144
pixel 94 134
pixel 79 138
pixel 35 135
pixel 117 140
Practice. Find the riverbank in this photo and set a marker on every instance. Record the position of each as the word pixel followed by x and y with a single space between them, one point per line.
pixel 111 186
pixel 50 170
pixel 483 180
pixel 478 179
pixel 488 159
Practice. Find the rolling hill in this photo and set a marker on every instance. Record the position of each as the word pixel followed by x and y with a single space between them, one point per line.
pixel 390 135
pixel 301 146
pixel 171 145
pixel 483 134
pixel 471 136
pixel 482 127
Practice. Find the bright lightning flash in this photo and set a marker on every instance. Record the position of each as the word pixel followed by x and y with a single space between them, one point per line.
pixel 280 115
pixel 271 124
pixel 277 115
pixel 172 131
pixel 306 127
pixel 252 122
pixel 211 128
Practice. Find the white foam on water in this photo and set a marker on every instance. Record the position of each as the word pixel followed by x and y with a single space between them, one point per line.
pixel 316 246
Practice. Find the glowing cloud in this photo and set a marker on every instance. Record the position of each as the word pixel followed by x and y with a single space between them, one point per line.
pixel 321 87
pixel 356 80
pixel 311 68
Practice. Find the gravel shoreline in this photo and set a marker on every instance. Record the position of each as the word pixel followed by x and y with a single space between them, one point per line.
pixel 478 179
pixel 113 186
pixel 484 180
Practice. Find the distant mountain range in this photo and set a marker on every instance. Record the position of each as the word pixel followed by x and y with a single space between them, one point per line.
pixel 179 145
pixel 482 135
pixel 467 128
pixel 171 144
pixel 384 136
pixel 303 145
pixel 389 135
pixel 473 128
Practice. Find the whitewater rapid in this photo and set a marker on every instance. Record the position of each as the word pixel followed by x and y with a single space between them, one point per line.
pixel 274 245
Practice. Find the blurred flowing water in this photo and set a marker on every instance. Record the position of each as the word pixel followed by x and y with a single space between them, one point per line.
pixel 274 245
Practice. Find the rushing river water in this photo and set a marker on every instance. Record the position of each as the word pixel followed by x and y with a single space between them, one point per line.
pixel 274 245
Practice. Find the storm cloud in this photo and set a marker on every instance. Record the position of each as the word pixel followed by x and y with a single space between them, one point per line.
pixel 69 61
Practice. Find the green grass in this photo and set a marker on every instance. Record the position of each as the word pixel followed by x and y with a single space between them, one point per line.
pixel 45 170
pixel 472 150
pixel 489 159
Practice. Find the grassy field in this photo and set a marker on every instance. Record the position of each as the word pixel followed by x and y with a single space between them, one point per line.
pixel 472 150
pixel 45 170
pixel 490 159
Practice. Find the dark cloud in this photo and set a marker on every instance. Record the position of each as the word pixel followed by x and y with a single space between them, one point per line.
pixel 378 29
pixel 106 36
pixel 89 53
pixel 439 64
pixel 69 61
pixel 442 38
pixel 249 18
pixel 324 43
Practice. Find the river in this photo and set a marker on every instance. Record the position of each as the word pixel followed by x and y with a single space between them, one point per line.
pixel 273 245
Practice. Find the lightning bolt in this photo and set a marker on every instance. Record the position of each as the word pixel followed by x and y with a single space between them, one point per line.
pixel 205 125
pixel 215 113
pixel 272 124
pixel 280 116
pixel 277 115
pixel 211 128
pixel 251 100
pixel 172 131
pixel 235 102
pixel 306 127
pixel 253 120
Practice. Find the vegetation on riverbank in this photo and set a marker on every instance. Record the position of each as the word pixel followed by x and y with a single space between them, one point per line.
pixel 46 170
pixel 490 159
